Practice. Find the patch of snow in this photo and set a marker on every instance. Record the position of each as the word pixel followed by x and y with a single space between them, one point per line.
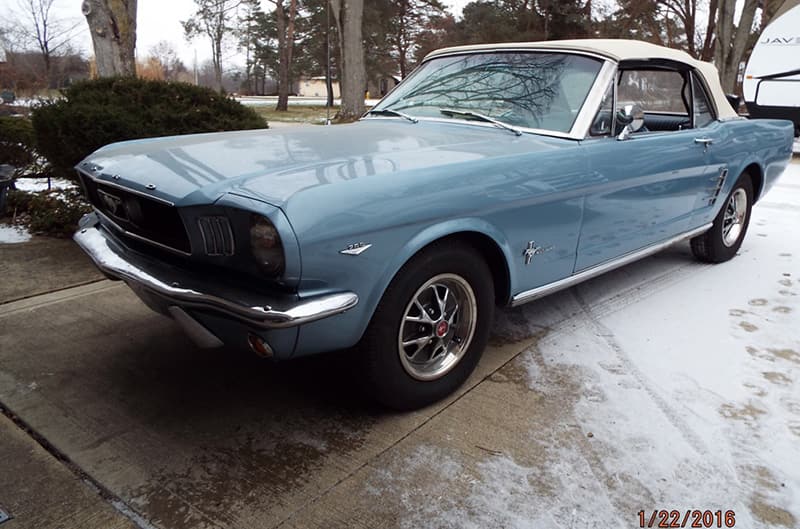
pixel 13 234
pixel 28 101
pixel 33 185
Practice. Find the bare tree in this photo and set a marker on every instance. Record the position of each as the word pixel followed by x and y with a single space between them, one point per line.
pixel 686 13
pixel 353 79
pixel 113 28
pixel 164 52
pixel 212 19
pixel 40 27
pixel 285 22
pixel 688 17
pixel 407 22
pixel 732 39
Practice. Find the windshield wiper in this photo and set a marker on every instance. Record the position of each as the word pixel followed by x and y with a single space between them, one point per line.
pixel 390 112
pixel 480 117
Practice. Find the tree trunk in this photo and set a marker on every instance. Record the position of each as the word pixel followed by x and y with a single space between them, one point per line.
pixel 285 49
pixel 352 77
pixel 732 40
pixel 328 79
pixel 707 52
pixel 216 32
pixel 112 24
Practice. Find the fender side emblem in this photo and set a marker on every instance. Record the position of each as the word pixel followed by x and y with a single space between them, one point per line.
pixel 532 250
pixel 356 248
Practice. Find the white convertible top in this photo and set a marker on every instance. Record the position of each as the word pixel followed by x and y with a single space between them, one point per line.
pixel 616 50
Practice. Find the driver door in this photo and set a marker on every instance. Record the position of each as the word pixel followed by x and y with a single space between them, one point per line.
pixel 645 187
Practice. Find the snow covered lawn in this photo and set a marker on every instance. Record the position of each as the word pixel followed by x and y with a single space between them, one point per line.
pixel 33 185
pixel 13 234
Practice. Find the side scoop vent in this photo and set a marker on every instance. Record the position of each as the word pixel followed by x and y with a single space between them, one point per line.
pixel 217 235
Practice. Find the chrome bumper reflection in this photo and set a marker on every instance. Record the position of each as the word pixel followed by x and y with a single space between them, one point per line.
pixel 187 293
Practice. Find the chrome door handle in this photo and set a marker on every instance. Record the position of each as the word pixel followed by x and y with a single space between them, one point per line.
pixel 704 141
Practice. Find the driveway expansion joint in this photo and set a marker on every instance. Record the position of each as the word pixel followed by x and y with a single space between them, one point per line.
pixel 115 501
pixel 52 297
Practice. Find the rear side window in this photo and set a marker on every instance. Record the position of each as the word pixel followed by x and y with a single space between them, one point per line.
pixel 703 114
pixel 653 90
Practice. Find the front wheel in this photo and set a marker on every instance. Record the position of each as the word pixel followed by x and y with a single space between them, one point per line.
pixel 721 242
pixel 430 328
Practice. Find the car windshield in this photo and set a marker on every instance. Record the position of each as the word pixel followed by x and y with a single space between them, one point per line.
pixel 524 89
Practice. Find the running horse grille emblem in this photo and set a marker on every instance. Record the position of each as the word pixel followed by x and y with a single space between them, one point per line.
pixel 113 204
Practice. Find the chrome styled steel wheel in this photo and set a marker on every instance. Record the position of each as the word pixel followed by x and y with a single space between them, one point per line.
pixel 437 327
pixel 430 328
pixel 721 242
pixel 734 216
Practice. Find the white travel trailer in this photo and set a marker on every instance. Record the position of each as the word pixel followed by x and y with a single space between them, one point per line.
pixel 772 78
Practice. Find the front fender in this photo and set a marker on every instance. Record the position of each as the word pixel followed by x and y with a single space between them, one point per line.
pixel 370 273
pixel 439 231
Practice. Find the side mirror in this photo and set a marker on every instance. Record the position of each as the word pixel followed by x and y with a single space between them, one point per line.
pixel 631 117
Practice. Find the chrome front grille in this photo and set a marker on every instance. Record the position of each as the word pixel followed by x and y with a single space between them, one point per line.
pixel 217 235
pixel 137 215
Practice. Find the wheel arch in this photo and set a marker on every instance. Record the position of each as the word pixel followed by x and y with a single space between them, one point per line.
pixel 487 240
pixel 757 177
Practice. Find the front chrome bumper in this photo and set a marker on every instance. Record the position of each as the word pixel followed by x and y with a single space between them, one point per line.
pixel 180 289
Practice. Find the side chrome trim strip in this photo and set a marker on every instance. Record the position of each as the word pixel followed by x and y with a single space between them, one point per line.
pixel 544 290
pixel 263 315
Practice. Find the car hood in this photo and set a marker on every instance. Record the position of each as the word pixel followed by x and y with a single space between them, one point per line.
pixel 274 165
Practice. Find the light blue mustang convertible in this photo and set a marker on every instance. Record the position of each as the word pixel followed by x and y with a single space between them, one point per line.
pixel 493 175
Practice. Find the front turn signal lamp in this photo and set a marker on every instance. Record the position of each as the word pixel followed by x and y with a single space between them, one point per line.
pixel 265 244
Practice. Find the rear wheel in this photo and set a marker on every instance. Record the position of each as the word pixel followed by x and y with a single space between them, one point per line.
pixel 722 241
pixel 430 328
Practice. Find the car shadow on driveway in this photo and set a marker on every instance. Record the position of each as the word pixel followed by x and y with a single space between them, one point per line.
pixel 193 438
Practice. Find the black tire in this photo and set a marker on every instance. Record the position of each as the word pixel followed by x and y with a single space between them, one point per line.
pixel 712 246
pixel 385 377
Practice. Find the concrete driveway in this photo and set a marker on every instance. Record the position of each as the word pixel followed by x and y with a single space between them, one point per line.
pixel 668 384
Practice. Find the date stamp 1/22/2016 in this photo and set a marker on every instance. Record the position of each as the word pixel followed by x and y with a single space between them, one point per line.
pixel 688 518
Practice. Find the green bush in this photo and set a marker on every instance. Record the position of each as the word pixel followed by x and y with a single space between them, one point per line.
pixel 53 213
pixel 101 111
pixel 16 142
pixel 18 201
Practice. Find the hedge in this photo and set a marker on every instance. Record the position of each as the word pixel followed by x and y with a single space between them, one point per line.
pixel 97 112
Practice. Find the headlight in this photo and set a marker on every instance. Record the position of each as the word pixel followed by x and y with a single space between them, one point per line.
pixel 265 243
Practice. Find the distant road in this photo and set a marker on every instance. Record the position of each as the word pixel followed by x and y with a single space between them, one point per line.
pixel 295 101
